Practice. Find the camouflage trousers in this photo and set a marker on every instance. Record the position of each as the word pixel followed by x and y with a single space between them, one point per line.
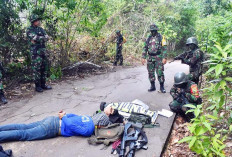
pixel 39 60
pixel 1 85
pixel 155 67
pixel 119 56
pixel 178 107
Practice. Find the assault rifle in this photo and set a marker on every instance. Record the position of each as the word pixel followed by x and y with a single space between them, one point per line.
pixel 132 139
pixel 181 56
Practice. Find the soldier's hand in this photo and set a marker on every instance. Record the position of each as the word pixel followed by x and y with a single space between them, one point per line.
pixel 143 61
pixel 164 61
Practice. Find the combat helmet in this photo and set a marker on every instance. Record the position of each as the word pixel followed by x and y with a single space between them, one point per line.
pixel 117 31
pixel 153 27
pixel 180 78
pixel 192 40
pixel 34 18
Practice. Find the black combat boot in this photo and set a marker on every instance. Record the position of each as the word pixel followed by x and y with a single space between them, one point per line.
pixel 38 87
pixel 115 63
pixel 44 86
pixel 121 64
pixel 162 88
pixel 152 88
pixel 2 97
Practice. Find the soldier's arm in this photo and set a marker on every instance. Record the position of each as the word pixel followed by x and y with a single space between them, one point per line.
pixel 174 92
pixel 193 96
pixel 164 51
pixel 145 49
pixel 193 60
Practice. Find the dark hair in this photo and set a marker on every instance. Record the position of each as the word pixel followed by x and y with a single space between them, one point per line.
pixel 102 106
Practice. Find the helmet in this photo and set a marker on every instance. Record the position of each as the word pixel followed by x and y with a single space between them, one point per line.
pixel 117 31
pixel 153 27
pixel 34 18
pixel 192 40
pixel 180 78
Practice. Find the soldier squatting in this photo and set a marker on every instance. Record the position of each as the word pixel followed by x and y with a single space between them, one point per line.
pixel 184 90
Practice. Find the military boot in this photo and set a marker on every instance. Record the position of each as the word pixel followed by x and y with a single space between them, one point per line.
pixel 38 87
pixel 115 63
pixel 121 63
pixel 152 88
pixel 2 97
pixel 44 86
pixel 162 88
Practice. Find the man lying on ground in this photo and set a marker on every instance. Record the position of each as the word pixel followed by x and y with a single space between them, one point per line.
pixel 64 125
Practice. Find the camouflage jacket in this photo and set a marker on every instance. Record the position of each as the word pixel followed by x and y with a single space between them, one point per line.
pixel 191 92
pixel 119 40
pixel 153 47
pixel 194 60
pixel 36 34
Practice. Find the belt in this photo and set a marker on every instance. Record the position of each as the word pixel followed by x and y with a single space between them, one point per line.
pixel 60 122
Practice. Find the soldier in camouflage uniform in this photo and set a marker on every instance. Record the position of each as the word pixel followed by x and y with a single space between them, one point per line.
pixel 37 38
pixel 155 51
pixel 2 96
pixel 119 56
pixel 184 92
pixel 194 59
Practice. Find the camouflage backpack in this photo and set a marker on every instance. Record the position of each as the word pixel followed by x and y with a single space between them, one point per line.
pixel 107 135
pixel 140 118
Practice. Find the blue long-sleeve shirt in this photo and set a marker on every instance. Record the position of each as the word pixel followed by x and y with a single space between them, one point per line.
pixel 74 125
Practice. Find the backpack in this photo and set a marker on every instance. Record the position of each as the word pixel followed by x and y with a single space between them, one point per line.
pixel 139 118
pixel 124 40
pixel 107 135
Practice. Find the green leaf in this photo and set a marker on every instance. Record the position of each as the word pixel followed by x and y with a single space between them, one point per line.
pixel 210 70
pixel 186 139
pixel 228 79
pixel 218 69
pixel 190 106
pixel 222 101
pixel 201 130
pixel 212 117
pixel 192 141
pixel 223 84
pixel 207 125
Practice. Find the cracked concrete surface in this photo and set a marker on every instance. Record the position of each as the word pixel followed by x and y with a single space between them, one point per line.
pixel 83 97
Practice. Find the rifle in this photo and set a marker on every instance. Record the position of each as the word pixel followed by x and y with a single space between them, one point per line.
pixel 133 137
pixel 181 56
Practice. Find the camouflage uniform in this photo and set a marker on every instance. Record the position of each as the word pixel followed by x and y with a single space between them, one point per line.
pixel 190 92
pixel 154 52
pixel 1 86
pixel 119 56
pixel 194 61
pixel 39 55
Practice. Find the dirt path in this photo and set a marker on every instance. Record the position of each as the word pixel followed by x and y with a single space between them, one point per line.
pixel 84 97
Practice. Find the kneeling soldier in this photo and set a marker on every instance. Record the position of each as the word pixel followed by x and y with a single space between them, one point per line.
pixel 184 92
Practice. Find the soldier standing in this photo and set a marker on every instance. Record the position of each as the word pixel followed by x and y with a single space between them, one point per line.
pixel 194 58
pixel 184 92
pixel 119 42
pixel 37 38
pixel 155 51
pixel 2 96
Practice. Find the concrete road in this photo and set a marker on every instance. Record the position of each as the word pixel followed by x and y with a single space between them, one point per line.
pixel 83 97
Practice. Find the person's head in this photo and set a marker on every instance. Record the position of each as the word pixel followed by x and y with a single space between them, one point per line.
pixel 118 32
pixel 153 29
pixel 35 20
pixel 109 110
pixel 191 43
pixel 180 79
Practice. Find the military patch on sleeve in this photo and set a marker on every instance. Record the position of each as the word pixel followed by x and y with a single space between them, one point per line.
pixel 194 90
